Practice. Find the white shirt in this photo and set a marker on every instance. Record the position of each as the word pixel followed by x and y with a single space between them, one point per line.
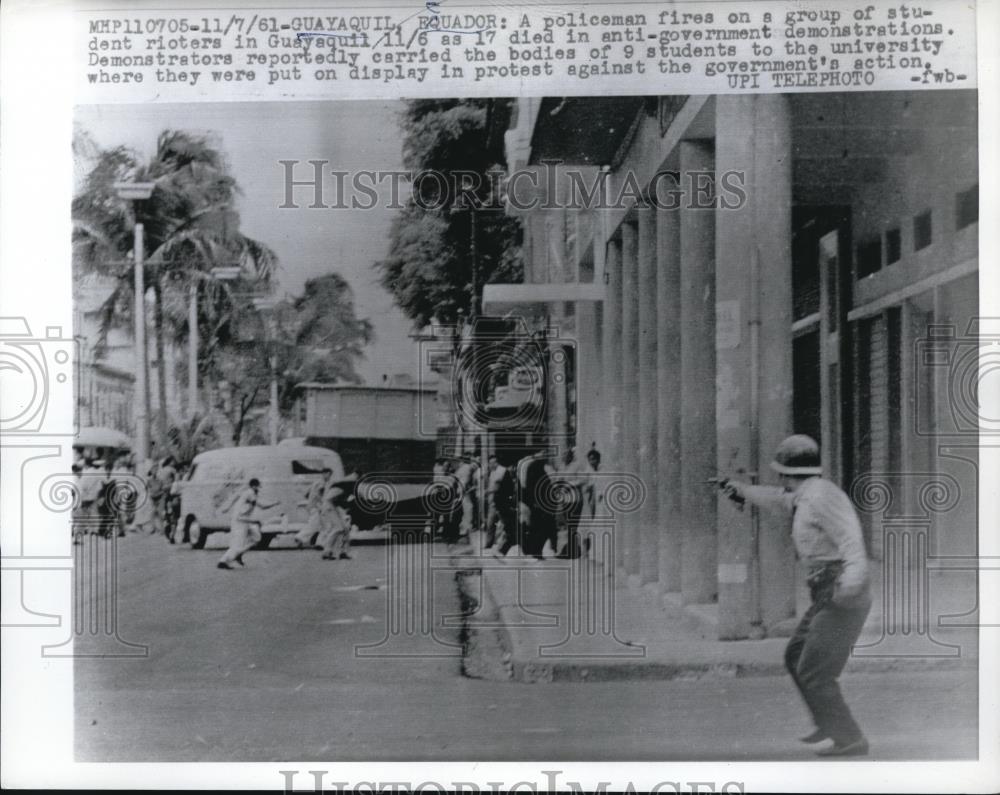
pixel 825 526
pixel 245 505
pixel 495 477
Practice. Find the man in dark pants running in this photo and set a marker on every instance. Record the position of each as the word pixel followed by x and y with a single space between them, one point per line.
pixel 828 539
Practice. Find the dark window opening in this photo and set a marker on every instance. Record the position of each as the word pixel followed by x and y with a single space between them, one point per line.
pixel 810 224
pixel 923 234
pixel 967 207
pixel 869 258
pixel 806 390
pixel 805 266
pixel 893 246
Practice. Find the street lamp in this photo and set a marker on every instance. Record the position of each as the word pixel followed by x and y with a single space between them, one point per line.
pixel 222 273
pixel 133 192
pixel 266 304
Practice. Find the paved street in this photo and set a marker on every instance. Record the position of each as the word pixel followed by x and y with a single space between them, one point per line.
pixel 259 665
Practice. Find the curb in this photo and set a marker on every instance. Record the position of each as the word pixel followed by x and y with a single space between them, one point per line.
pixel 489 652
pixel 535 671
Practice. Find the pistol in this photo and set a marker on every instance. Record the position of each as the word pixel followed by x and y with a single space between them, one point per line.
pixel 721 482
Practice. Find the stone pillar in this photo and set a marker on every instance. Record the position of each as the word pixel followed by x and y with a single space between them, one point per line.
pixel 668 391
pixel 611 345
pixel 629 352
pixel 587 372
pixel 772 222
pixel 753 355
pixel 698 499
pixel 649 520
pixel 598 428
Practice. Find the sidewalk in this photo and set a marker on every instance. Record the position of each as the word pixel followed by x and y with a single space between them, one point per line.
pixel 561 620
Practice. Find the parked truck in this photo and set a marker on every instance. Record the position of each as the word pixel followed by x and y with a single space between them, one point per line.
pixel 388 432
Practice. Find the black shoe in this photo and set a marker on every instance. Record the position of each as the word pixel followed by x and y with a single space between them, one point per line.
pixel 239 559
pixel 816 737
pixel 328 556
pixel 857 748
pixel 221 565
pixel 345 556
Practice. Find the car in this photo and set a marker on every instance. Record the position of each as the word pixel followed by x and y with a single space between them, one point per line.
pixel 285 471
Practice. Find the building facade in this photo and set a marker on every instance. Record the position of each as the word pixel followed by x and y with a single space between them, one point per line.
pixel 755 266
pixel 106 377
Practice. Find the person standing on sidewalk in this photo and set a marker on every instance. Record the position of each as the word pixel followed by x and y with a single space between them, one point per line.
pixel 538 498
pixel 494 475
pixel 465 475
pixel 244 530
pixel 505 504
pixel 828 539
pixel 573 479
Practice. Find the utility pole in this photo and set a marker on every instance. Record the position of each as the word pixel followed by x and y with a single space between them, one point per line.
pixel 193 348
pixel 134 192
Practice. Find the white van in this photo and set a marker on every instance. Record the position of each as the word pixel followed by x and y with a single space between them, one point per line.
pixel 285 472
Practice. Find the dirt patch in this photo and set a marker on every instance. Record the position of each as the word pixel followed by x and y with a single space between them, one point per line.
pixel 485 654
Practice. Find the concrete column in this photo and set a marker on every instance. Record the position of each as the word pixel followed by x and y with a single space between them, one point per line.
pixel 598 415
pixel 753 356
pixel 587 376
pixel 698 500
pixel 668 389
pixel 649 519
pixel 611 346
pixel 630 384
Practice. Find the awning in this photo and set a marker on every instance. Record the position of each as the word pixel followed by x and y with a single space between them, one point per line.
pixel 531 299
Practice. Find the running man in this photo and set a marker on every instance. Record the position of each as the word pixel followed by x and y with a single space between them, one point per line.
pixel 244 530
pixel 336 519
pixel 309 535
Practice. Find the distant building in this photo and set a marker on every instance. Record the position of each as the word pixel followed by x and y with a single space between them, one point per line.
pixel 106 392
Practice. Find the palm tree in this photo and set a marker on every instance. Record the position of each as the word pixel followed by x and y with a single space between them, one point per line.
pixel 190 227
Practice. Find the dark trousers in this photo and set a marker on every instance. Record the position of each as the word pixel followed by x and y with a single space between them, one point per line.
pixel 541 528
pixel 572 515
pixel 818 652
pixel 511 529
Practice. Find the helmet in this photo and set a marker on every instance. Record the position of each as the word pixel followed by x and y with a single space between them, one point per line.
pixel 797 455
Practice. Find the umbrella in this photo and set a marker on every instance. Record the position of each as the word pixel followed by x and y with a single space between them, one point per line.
pixel 102 437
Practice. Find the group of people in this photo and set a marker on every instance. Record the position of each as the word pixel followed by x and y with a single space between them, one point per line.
pixel 104 509
pixel 328 522
pixel 528 500
pixel 529 504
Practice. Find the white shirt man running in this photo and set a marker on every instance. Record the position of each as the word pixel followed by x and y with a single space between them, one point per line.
pixel 244 530
pixel 314 529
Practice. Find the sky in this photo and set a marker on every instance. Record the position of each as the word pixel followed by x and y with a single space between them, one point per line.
pixel 255 136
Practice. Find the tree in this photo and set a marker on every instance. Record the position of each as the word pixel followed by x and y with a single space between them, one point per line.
pixel 315 336
pixel 429 269
pixel 188 438
pixel 190 227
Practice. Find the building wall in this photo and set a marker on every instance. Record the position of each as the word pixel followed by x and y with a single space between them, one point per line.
pixel 727 276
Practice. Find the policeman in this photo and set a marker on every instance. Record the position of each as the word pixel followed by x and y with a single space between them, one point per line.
pixel 828 539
